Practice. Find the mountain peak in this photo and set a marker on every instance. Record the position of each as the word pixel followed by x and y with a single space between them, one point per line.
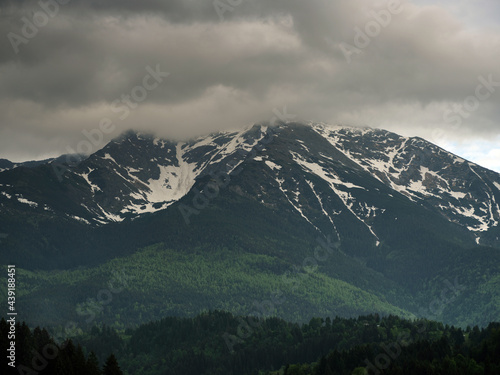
pixel 140 173
pixel 132 135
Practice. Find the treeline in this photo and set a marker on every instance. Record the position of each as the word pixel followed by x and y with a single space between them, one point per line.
pixel 36 352
pixel 220 343
pixel 456 352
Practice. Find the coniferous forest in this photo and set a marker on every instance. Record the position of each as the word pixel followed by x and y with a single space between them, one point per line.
pixel 219 343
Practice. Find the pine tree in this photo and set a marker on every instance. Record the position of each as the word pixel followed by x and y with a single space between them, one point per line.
pixel 93 365
pixel 79 362
pixel 111 367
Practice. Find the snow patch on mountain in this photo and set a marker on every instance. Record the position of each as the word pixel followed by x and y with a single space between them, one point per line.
pixel 6 194
pixel 77 218
pixel 349 202
pixel 311 185
pixel 28 202
pixel 109 157
pixel 335 183
pixel 238 142
pixel 328 175
pixel 173 183
pixel 93 186
pixel 369 212
pixel 273 165
pixel 109 216
pixel 295 205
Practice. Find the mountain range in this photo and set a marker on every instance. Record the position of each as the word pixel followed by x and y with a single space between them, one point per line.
pixel 307 219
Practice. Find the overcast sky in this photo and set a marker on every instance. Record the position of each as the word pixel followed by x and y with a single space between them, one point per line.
pixel 420 68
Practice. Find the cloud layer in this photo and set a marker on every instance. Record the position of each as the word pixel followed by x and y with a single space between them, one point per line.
pixel 232 64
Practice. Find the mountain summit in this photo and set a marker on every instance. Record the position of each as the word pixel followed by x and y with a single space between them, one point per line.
pixel 403 210
pixel 137 174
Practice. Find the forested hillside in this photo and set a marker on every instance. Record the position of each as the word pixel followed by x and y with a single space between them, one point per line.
pixel 220 343
pixel 35 352
pixel 158 281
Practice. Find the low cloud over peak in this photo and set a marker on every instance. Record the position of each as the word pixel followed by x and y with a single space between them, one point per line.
pixel 404 66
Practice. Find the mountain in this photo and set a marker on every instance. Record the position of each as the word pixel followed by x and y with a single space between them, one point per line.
pixel 334 218
pixel 7 164
pixel 137 174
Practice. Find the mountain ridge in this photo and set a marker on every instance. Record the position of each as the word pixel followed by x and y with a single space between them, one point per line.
pixel 149 181
pixel 407 216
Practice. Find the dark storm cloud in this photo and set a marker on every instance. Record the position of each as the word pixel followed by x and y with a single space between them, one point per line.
pixel 235 63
